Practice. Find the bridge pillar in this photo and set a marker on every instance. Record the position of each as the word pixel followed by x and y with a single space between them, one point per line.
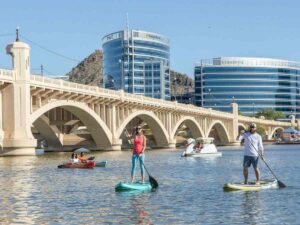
pixel 1 123
pixel 18 139
pixel 293 120
pixel 172 143
pixel 116 144
pixel 235 124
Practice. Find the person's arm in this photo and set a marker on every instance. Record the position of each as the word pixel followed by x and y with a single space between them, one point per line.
pixel 132 140
pixel 240 137
pixel 145 143
pixel 260 146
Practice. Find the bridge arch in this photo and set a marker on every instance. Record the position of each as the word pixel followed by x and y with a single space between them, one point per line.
pixel 159 131
pixel 192 124
pixel 100 133
pixel 48 132
pixel 270 136
pixel 221 131
pixel 242 127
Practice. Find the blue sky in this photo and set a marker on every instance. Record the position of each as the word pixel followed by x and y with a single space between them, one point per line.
pixel 198 29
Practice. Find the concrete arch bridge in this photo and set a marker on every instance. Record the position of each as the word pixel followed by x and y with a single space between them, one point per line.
pixel 36 109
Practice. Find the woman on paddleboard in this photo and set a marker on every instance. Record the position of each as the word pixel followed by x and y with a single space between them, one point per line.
pixel 139 146
pixel 252 143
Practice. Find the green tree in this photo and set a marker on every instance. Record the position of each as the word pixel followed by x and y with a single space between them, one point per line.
pixel 269 114
pixel 261 131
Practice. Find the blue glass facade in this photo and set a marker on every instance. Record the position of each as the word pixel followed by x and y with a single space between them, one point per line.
pixel 253 83
pixel 137 62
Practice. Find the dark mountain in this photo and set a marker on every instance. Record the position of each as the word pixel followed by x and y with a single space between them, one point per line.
pixel 89 70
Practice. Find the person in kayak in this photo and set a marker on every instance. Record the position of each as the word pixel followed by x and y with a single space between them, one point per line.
pixel 252 143
pixel 74 158
pixel 82 157
pixel 139 146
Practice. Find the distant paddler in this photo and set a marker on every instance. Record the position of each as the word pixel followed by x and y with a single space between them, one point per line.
pixel 252 142
pixel 189 146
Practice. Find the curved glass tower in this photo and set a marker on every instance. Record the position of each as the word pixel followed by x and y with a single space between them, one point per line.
pixel 137 62
pixel 253 83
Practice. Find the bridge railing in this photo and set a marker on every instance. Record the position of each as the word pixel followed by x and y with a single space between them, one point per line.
pixel 71 86
pixel 7 74
pixel 112 94
pixel 174 105
pixel 262 121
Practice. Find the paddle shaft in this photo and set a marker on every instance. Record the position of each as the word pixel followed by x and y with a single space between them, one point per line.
pixel 153 182
pixel 250 140
pixel 145 167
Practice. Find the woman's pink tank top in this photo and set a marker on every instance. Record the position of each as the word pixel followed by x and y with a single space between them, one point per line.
pixel 138 144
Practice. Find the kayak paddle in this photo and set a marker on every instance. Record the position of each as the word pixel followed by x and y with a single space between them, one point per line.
pixel 153 182
pixel 280 184
pixel 91 158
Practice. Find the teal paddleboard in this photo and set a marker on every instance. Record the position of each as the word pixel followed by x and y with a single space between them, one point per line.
pixel 137 186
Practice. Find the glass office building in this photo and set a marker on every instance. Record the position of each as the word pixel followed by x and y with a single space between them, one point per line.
pixel 137 62
pixel 253 83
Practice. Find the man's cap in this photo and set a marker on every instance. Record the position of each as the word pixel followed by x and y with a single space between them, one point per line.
pixel 252 125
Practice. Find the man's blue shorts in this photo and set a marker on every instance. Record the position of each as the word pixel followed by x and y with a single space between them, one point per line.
pixel 248 160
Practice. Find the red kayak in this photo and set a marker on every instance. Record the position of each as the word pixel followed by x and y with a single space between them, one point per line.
pixel 85 165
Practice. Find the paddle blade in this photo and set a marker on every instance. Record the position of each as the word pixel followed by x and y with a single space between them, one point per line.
pixel 153 182
pixel 91 158
pixel 60 166
pixel 280 184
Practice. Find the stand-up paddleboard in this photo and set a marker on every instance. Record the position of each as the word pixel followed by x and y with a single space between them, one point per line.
pixel 137 186
pixel 251 186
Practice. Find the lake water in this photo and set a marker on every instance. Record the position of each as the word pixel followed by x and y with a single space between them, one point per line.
pixel 34 191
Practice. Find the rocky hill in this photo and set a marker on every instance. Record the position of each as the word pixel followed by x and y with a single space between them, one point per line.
pixel 181 83
pixel 89 70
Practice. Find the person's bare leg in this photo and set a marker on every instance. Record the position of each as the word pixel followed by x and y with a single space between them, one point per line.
pixel 134 159
pixel 143 178
pixel 245 172
pixel 257 174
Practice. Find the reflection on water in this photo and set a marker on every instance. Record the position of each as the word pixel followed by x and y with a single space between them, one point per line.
pixel 34 191
pixel 252 207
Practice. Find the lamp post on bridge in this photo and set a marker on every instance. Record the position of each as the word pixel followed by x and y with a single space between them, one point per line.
pixel 122 72
pixel 42 70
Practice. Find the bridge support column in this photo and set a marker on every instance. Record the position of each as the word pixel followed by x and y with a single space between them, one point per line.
pixel 293 121
pixel 18 139
pixel 235 124
pixel 1 123
pixel 269 135
pixel 172 143
pixel 116 144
